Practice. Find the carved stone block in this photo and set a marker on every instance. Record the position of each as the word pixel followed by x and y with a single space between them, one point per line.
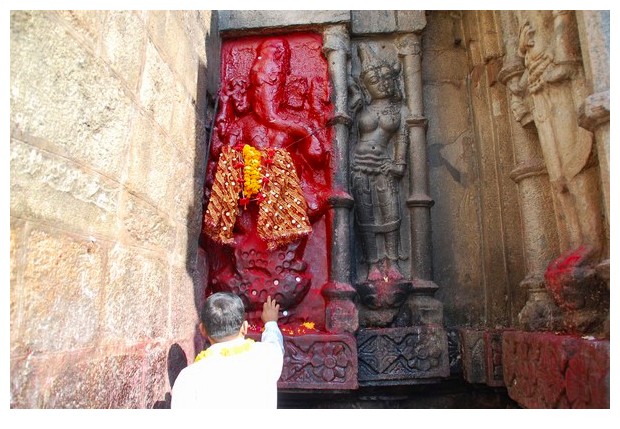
pixel 319 361
pixel 545 370
pixel 493 356
pixel 402 355
pixel 473 355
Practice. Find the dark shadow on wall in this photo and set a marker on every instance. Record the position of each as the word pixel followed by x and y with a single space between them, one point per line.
pixel 177 360
pixel 195 261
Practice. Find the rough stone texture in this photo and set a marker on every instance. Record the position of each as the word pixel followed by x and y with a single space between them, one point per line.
pixel 62 292
pixel 249 19
pixel 108 382
pixel 473 354
pixel 147 226
pixel 107 145
pixel 123 35
pixel 15 263
pixel 155 375
pixel 48 187
pixel 60 83
pixel 184 314
pixel 453 176
pixel 153 157
pixel 373 21
pixel 159 91
pixel 392 356
pixel 136 306
pixel 545 370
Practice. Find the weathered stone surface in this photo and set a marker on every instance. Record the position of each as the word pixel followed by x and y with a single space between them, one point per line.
pixel 15 261
pixel 124 35
pixel 62 292
pixel 87 23
pixel 46 186
pixel 410 355
pixel 155 375
pixel 146 225
pixel 473 354
pixel 373 21
pixel 410 20
pixel 137 295
pixel 454 351
pixel 184 315
pixel 108 382
pixel 545 370
pixel 493 355
pixel 180 50
pixel 56 82
pixel 159 91
pixel 151 158
pixel 319 361
pixel 27 382
pixel 248 19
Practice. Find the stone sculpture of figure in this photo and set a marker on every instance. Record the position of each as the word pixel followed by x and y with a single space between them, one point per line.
pixel 378 164
pixel 265 240
pixel 549 44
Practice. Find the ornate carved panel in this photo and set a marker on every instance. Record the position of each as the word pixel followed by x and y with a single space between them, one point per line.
pixel 402 355
pixel 545 370
pixel 319 362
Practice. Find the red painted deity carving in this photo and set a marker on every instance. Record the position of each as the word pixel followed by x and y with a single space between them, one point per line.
pixel 268 175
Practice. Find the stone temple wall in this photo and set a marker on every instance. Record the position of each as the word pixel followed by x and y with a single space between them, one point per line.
pixel 109 126
pixel 107 156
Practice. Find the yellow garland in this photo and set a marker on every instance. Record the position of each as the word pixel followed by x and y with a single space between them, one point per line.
pixel 226 351
pixel 251 171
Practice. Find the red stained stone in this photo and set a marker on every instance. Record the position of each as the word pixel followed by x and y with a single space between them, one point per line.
pixel 545 370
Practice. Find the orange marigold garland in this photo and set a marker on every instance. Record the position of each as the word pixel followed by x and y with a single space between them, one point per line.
pixel 268 176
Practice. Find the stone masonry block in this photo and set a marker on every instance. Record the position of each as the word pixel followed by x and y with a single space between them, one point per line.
pixel 373 21
pixel 87 23
pixel 62 292
pixel 147 225
pixel 137 295
pixel 473 355
pixel 16 262
pixel 155 377
pixel 151 159
pixel 410 20
pixel 52 188
pixel 55 81
pixel 184 315
pixel 124 41
pixel 158 92
pixel 547 370
pixel 248 19
pixel 109 382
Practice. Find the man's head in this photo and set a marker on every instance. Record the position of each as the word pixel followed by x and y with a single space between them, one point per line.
pixel 223 317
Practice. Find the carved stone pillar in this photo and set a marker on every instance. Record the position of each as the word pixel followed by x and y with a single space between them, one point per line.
pixel 594 112
pixel 530 174
pixel 421 302
pixel 340 313
pixel 554 79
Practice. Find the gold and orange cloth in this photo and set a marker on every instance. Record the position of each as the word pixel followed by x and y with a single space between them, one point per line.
pixel 282 215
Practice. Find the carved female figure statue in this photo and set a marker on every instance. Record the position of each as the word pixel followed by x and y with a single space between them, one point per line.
pixel 375 171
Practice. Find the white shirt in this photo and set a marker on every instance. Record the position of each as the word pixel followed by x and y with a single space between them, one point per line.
pixel 244 380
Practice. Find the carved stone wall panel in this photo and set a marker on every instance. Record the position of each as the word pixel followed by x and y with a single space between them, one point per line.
pixel 545 370
pixel 402 355
pixel 319 361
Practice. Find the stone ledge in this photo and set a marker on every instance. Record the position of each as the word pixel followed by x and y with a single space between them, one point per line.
pixel 547 370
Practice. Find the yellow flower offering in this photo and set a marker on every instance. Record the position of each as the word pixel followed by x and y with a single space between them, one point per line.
pixel 251 171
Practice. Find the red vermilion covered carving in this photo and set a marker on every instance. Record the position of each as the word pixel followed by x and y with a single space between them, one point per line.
pixel 274 97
